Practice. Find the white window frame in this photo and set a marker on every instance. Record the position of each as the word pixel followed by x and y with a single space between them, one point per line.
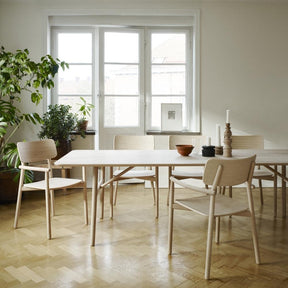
pixel 91 19
pixel 54 42
pixel 189 74
pixel 140 79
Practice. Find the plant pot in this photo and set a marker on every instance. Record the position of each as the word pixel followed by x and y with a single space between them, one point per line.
pixel 63 148
pixel 8 187
pixel 82 126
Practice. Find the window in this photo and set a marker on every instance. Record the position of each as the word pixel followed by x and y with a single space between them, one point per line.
pixel 75 48
pixel 129 71
pixel 121 69
pixel 168 73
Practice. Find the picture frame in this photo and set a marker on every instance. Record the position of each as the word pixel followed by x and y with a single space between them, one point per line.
pixel 171 117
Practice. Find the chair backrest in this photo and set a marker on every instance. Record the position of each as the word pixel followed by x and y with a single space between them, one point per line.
pixel 196 141
pixel 247 142
pixel 36 151
pixel 134 142
pixel 232 171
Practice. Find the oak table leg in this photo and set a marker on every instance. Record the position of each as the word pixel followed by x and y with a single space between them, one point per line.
pixel 94 205
pixel 283 191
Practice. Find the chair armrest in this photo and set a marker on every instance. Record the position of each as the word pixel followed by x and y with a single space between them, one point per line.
pixel 192 187
pixel 33 168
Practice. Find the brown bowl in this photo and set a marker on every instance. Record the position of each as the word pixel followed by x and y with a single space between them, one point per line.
pixel 184 150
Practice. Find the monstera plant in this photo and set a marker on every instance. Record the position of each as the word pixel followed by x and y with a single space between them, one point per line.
pixel 21 79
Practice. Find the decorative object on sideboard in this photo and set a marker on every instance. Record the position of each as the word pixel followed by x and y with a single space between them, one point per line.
pixel 227 137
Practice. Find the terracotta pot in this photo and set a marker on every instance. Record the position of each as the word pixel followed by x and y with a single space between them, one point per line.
pixel 8 187
pixel 83 125
pixel 63 148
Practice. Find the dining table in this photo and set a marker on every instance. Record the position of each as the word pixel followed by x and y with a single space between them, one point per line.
pixel 274 160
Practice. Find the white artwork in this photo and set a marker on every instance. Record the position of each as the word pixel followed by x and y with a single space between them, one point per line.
pixel 171 117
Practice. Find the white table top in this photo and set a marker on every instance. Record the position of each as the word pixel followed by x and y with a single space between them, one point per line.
pixel 101 158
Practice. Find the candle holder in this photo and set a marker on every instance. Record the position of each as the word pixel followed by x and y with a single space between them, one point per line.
pixel 219 150
pixel 208 151
pixel 227 141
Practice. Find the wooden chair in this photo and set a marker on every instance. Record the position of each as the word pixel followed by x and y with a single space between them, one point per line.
pixel 195 172
pixel 257 142
pixel 217 173
pixel 136 142
pixel 31 155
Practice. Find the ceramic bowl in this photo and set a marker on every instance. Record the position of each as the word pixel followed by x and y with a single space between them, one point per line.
pixel 184 150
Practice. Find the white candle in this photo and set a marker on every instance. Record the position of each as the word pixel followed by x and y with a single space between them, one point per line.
pixel 218 135
pixel 208 141
pixel 227 116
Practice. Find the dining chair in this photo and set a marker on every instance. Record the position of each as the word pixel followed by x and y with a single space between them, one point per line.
pixel 192 172
pixel 217 173
pixel 33 156
pixel 257 142
pixel 136 142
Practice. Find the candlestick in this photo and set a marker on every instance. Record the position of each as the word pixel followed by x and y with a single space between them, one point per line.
pixel 227 116
pixel 227 141
pixel 219 150
pixel 208 141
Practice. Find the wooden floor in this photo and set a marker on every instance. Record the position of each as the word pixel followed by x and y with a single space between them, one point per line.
pixel 131 250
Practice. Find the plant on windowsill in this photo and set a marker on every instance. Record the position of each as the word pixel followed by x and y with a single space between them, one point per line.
pixel 58 123
pixel 83 114
pixel 20 80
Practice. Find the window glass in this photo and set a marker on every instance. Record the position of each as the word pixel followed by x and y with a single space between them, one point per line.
pixel 168 48
pixel 121 79
pixel 75 47
pixel 168 79
pixel 121 111
pixel 121 47
pixel 75 80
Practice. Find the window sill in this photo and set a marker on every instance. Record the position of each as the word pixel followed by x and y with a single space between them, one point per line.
pixel 156 132
pixel 87 132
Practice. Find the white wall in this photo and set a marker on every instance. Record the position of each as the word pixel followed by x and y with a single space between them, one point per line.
pixel 244 63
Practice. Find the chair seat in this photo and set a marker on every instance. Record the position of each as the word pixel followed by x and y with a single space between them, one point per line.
pixel 223 205
pixel 187 174
pixel 262 173
pixel 135 173
pixel 54 183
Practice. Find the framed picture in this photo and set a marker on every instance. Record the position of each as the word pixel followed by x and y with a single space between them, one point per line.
pixel 171 117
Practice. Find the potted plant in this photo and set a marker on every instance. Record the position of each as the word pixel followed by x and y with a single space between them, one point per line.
pixel 21 80
pixel 83 114
pixel 58 123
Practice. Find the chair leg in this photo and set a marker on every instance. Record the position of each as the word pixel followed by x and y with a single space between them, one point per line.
pixel 115 192
pixel 85 206
pixel 217 230
pixel 157 190
pixel 19 198
pixel 102 195
pixel 253 226
pixel 275 192
pixel 168 194
pixel 52 199
pixel 230 191
pixel 171 217
pixel 48 214
pixel 261 191
pixel 255 239
pixel 85 201
pixel 209 237
pixel 153 190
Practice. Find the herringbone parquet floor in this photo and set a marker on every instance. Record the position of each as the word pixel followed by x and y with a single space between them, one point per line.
pixel 131 249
